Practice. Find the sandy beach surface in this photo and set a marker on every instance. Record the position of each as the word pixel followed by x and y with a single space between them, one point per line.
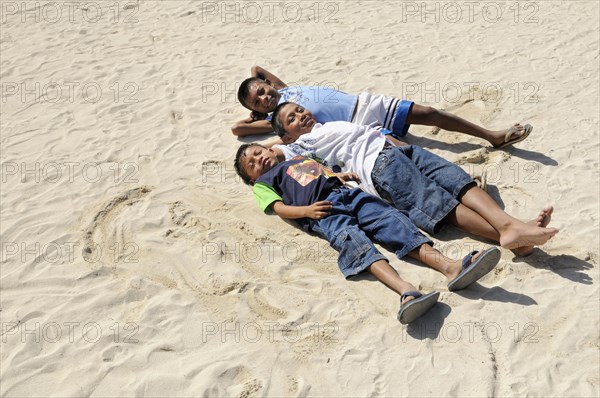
pixel 135 263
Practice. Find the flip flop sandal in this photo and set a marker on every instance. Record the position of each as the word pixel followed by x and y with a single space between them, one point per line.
pixel 528 128
pixel 416 307
pixel 472 271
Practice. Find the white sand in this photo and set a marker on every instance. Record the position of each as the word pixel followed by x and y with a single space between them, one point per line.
pixel 190 291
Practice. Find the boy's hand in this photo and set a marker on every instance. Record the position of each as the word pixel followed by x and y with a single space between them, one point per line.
pixel 348 177
pixel 258 116
pixel 318 210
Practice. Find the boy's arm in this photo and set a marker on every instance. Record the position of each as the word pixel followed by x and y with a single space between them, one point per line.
pixel 388 135
pixel 257 71
pixel 268 198
pixel 349 176
pixel 251 126
pixel 315 211
pixel 277 141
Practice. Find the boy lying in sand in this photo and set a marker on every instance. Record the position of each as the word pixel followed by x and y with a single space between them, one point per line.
pixel 262 92
pixel 303 190
pixel 427 188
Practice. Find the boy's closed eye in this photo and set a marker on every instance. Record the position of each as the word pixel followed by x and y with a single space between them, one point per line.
pixel 259 92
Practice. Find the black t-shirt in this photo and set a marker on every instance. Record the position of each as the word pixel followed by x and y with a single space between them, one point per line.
pixel 299 181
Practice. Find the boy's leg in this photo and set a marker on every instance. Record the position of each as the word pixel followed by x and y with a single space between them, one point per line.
pixel 413 304
pixel 513 233
pixel 425 253
pixel 469 217
pixel 443 173
pixel 383 271
pixel 385 224
pixel 398 180
pixel 460 274
pixel 468 220
pixel 392 229
pixel 357 252
pixel 429 116
pixel 436 260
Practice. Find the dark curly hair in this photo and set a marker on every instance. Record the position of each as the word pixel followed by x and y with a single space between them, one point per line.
pixel 276 123
pixel 237 164
pixel 244 90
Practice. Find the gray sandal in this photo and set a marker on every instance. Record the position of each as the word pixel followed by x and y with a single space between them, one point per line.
pixel 416 307
pixel 472 271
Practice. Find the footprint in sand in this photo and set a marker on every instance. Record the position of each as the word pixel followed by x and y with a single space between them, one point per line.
pixel 98 237
pixel 478 156
pixel 262 304
pixel 251 387
pixel 238 378
pixel 486 103
pixel 473 104
pixel 185 221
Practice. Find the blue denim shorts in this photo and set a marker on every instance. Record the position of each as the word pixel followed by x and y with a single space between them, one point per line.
pixel 356 220
pixel 420 184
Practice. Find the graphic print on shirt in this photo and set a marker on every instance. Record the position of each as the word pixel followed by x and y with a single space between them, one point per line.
pixel 294 94
pixel 306 172
pixel 301 150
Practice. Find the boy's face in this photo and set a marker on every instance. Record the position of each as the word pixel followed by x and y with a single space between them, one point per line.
pixel 296 121
pixel 262 97
pixel 257 160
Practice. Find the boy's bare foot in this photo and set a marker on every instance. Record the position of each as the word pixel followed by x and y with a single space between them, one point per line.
pixel 511 135
pixel 544 217
pixel 518 235
pixel 542 220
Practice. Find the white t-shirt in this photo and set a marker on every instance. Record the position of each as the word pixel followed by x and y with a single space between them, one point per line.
pixel 350 146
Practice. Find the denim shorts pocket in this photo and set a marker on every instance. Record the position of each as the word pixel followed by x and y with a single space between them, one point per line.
pixel 352 245
pixel 381 163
